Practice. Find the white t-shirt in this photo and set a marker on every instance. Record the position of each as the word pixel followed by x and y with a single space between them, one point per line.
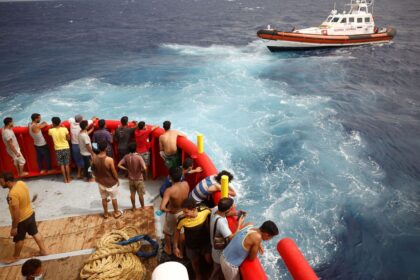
pixel 8 134
pixel 75 130
pixel 221 230
pixel 84 139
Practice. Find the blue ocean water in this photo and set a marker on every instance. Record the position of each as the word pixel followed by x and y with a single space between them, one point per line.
pixel 325 143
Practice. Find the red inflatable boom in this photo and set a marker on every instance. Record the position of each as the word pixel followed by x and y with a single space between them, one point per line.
pixel 295 261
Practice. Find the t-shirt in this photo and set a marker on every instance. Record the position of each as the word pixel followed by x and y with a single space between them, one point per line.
pixel 135 165
pixel 59 136
pixel 84 139
pixel 123 136
pixel 75 130
pixel 142 137
pixel 8 134
pixel 195 230
pixel 102 135
pixel 19 196
pixel 222 229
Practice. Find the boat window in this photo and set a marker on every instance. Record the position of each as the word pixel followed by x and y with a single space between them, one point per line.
pixel 344 20
pixel 359 20
pixel 328 19
pixel 351 19
pixel 367 19
pixel 335 19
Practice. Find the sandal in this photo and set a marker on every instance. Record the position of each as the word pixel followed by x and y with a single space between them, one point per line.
pixel 119 214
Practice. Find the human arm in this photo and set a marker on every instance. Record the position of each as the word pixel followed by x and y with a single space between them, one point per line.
pixel 255 245
pixel 13 148
pixel 198 169
pixel 165 201
pixel 181 134
pixel 15 213
pixel 231 191
pixel 67 134
pixel 113 170
pixel 160 143
pixel 121 164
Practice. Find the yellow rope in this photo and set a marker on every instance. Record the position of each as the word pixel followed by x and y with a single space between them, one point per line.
pixel 112 261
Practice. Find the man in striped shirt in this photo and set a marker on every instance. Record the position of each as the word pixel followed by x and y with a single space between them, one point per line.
pixel 210 185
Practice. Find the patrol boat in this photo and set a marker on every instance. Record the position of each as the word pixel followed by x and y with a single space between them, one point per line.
pixel 353 28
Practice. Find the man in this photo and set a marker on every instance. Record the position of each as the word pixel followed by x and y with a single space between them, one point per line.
pixel 75 148
pixel 172 205
pixel 61 137
pixel 86 151
pixel 219 227
pixel 210 185
pixel 12 146
pixel 123 136
pixel 168 147
pixel 23 216
pixel 41 147
pixel 187 170
pixel 194 222
pixel 103 135
pixel 32 269
pixel 107 178
pixel 142 134
pixel 134 164
pixel 245 244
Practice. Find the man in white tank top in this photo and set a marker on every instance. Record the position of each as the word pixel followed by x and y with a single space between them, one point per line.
pixel 41 147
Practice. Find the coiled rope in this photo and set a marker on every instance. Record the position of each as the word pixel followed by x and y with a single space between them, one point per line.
pixel 115 262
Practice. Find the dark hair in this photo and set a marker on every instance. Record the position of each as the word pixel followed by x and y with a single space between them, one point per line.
pixel 30 266
pixel 141 125
pixel 221 173
pixel 101 123
pixel 34 116
pixel 270 228
pixel 188 162
pixel 189 203
pixel 225 204
pixel 166 125
pixel 132 147
pixel 7 176
pixel 7 120
pixel 83 124
pixel 175 173
pixel 56 121
pixel 124 120
pixel 102 145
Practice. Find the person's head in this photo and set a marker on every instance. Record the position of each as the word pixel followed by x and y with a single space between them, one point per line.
pixel 175 173
pixel 225 205
pixel 6 179
pixel 166 125
pixel 78 118
pixel 124 120
pixel 268 230
pixel 188 163
pixel 32 269
pixel 56 121
pixel 224 172
pixel 189 207
pixel 102 145
pixel 35 117
pixel 101 123
pixel 83 124
pixel 132 147
pixel 8 122
pixel 141 125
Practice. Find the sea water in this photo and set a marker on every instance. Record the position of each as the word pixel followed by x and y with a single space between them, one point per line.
pixel 324 143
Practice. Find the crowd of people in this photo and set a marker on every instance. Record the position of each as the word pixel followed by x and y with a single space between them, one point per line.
pixel 193 225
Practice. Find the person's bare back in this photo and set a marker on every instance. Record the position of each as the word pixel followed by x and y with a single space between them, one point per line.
pixel 167 142
pixel 177 193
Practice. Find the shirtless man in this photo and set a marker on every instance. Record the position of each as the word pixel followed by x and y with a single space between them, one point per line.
pixel 167 145
pixel 172 205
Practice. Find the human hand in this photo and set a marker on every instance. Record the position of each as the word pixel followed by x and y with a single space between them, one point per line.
pixel 199 169
pixel 261 249
pixel 13 232
pixel 18 154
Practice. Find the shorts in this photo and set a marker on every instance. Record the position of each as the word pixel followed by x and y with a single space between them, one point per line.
pixel 18 160
pixel 77 156
pixel 137 186
pixel 196 253
pixel 106 192
pixel 24 227
pixel 170 223
pixel 171 160
pixel 146 158
pixel 229 271
pixel 63 156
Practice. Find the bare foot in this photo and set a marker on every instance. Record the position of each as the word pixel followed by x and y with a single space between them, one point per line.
pixel 23 174
pixel 167 249
pixel 105 216
pixel 133 208
pixel 42 172
pixel 91 180
pixel 118 214
pixel 43 253
pixel 9 260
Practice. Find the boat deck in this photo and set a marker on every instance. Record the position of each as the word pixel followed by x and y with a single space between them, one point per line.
pixel 74 235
